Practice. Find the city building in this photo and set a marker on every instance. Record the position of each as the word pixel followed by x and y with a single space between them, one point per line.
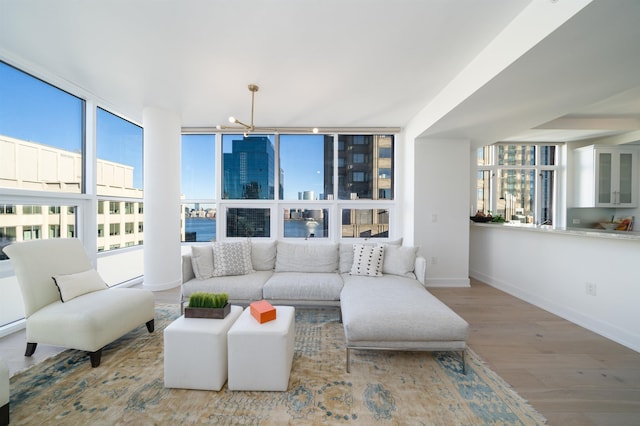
pixel 35 166
pixel 248 169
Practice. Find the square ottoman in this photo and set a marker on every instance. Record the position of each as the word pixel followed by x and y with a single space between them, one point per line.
pixel 260 355
pixel 195 352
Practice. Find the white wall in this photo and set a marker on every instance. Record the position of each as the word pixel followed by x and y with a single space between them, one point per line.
pixel 551 270
pixel 441 209
pixel 405 186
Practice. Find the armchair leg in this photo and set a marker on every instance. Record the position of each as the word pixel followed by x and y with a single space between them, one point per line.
pixel 151 325
pixel 31 348
pixel 4 414
pixel 95 358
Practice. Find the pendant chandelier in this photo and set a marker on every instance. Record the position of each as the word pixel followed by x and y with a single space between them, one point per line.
pixel 246 129
pixel 251 128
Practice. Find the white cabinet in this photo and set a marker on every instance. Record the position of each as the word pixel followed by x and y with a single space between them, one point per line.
pixel 605 176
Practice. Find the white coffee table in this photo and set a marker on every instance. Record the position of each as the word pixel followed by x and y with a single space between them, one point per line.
pixel 261 355
pixel 195 352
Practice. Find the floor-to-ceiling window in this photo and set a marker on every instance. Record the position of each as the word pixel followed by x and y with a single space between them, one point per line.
pixel 329 186
pixel 41 169
pixel 119 178
pixel 44 171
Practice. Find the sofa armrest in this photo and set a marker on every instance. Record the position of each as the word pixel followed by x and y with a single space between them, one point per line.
pixel 421 269
pixel 187 268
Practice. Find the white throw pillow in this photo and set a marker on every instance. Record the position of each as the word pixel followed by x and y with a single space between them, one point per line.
pixel 202 261
pixel 399 260
pixel 367 260
pixel 73 285
pixel 232 258
pixel 263 255
pixel 346 253
pixel 306 257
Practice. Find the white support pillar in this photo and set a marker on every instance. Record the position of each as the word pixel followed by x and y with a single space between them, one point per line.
pixel 162 256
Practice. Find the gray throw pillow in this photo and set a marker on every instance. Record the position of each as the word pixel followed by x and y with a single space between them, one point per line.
pixel 232 258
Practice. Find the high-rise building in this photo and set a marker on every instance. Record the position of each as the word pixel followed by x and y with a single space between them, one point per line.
pixel 249 169
pixel 365 172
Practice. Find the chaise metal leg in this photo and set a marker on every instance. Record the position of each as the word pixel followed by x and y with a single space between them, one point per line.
pixel 464 362
pixel 348 361
pixel 31 348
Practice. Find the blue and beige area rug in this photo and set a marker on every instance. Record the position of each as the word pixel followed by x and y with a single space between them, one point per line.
pixel 392 388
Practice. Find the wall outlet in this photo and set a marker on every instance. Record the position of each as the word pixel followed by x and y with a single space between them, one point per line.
pixel 576 221
pixel 434 218
pixel 434 260
pixel 591 289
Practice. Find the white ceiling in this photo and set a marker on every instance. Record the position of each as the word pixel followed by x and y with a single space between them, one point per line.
pixel 333 63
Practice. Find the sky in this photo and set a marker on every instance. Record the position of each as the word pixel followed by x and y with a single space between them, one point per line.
pixel 35 111
pixel 301 159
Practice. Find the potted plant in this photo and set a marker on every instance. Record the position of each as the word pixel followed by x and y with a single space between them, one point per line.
pixel 208 305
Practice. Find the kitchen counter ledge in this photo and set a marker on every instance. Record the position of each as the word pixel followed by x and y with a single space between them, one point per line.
pixel 583 232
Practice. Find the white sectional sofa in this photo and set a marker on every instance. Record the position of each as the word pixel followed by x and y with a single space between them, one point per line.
pixel 379 288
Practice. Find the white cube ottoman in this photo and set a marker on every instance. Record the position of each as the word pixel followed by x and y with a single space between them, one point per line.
pixel 195 352
pixel 260 355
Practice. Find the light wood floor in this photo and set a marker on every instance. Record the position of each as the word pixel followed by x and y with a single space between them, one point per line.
pixel 570 375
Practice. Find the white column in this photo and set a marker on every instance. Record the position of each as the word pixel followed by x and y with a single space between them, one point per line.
pixel 162 256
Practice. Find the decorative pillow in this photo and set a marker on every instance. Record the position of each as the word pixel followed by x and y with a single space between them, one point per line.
pixel 306 257
pixel 74 285
pixel 346 253
pixel 367 260
pixel 263 255
pixel 202 261
pixel 399 260
pixel 232 258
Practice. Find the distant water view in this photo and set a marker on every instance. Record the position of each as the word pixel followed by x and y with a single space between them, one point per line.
pixel 204 229
pixel 200 228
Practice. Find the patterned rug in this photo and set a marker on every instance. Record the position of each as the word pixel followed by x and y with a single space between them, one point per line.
pixel 394 388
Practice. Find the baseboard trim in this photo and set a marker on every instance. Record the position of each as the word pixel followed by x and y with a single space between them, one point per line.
pixel 447 282
pixel 162 286
pixel 12 327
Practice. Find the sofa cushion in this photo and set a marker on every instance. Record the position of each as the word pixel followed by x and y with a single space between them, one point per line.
pixel 303 286
pixel 202 261
pixel 238 287
pixel 346 253
pixel 367 260
pixel 232 258
pixel 74 285
pixel 263 255
pixel 399 260
pixel 306 257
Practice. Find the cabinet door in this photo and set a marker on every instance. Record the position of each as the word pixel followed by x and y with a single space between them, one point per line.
pixel 605 167
pixel 625 194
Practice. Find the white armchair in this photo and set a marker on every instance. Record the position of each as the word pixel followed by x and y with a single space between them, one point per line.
pixel 76 309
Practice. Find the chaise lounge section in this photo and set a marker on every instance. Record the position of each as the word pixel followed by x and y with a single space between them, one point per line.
pixel 398 314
